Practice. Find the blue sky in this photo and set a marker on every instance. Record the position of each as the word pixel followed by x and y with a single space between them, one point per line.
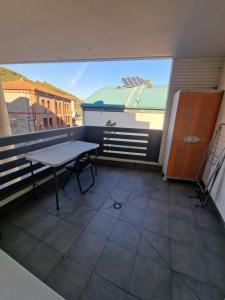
pixel 83 78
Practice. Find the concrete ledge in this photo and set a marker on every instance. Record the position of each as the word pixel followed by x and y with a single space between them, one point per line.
pixel 16 283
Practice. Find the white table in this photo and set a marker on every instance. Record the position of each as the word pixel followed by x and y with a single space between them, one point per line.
pixel 59 155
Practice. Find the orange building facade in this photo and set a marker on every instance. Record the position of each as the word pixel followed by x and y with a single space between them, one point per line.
pixel 32 107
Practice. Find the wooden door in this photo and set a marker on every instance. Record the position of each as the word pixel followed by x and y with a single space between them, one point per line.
pixel 195 119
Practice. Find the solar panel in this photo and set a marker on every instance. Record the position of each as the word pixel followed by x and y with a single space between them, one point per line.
pixel 125 82
pixel 132 81
pixel 122 81
pixel 135 81
pixel 140 80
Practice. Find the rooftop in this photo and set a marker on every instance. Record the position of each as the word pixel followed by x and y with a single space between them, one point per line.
pixel 31 86
pixel 139 97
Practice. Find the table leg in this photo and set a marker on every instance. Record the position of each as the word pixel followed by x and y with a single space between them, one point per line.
pixel 33 181
pixel 96 160
pixel 56 189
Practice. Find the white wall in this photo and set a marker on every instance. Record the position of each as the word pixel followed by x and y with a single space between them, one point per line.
pixel 218 191
pixel 153 120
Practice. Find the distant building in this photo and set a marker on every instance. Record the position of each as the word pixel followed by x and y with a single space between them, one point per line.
pixel 32 107
pixel 137 106
pixel 77 112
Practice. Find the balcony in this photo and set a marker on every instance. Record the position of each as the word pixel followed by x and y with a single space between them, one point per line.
pixel 157 246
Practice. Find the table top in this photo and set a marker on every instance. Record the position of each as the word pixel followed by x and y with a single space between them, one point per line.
pixel 58 155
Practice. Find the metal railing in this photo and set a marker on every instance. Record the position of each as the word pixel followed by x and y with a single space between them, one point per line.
pixel 123 143
pixel 126 143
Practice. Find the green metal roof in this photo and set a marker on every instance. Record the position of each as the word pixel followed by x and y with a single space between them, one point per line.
pixel 141 97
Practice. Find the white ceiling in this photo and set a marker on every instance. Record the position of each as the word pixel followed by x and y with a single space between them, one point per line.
pixel 49 30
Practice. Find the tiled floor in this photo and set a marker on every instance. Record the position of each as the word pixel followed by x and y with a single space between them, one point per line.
pixel 158 246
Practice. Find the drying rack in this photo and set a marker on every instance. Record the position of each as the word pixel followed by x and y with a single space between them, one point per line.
pixel 213 159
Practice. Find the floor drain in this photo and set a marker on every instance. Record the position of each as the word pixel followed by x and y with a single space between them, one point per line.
pixel 117 205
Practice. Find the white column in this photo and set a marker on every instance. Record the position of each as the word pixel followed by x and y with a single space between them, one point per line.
pixel 5 128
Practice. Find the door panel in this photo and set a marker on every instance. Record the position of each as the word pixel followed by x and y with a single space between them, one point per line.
pixel 196 117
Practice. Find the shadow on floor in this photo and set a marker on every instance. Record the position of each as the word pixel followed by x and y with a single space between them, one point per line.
pixel 157 246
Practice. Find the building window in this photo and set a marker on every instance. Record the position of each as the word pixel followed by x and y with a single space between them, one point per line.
pixel 43 103
pixel 50 122
pixel 13 122
pixel 45 121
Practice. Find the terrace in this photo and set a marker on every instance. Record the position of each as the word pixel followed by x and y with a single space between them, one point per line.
pixel 157 246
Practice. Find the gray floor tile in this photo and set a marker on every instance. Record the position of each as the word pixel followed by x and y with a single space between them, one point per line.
pixel 42 260
pixel 150 280
pixel 100 190
pixel 159 196
pixel 160 207
pixel 132 215
pixel 80 217
pixel 62 236
pixel 126 184
pixel 181 213
pixel 185 288
pixel 126 235
pixel 157 223
pixel 144 183
pixel 102 224
pixel 213 241
pixel 208 221
pixel 27 213
pixel 138 199
pixel 16 242
pixel 45 200
pixel 107 208
pixel 100 289
pixel 40 226
pixel 218 294
pixel 115 265
pixel 155 246
pixel 93 200
pixel 216 267
pixel 159 184
pixel 68 279
pixel 109 183
pixel 143 186
pixel 67 205
pixel 180 200
pixel 189 261
pixel 186 233
pixel 181 188
pixel 87 249
pixel 119 195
